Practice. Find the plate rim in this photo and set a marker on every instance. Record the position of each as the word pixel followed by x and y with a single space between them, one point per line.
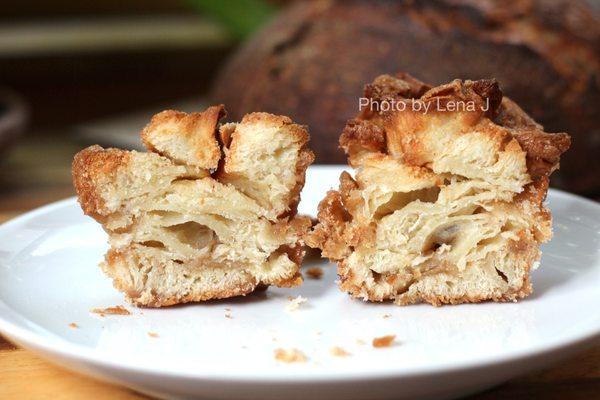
pixel 44 345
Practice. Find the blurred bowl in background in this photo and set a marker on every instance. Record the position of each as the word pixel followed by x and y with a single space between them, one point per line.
pixel 13 118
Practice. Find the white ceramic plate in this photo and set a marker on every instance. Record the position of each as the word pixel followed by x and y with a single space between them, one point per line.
pixel 49 278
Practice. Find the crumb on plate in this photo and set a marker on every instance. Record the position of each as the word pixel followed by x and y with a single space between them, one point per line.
pixel 73 325
pixel 153 334
pixel 314 272
pixel 116 310
pixel 290 356
pixel 295 303
pixel 384 341
pixel 385 316
pixel 339 352
pixel 360 341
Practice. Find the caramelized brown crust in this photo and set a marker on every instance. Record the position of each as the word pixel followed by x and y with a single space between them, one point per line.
pixel 543 149
pixel 328 234
pixel 401 85
pixel 196 133
pixel 367 131
pixel 361 135
pixel 88 165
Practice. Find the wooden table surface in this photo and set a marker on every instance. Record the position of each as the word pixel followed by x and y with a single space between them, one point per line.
pixel 38 171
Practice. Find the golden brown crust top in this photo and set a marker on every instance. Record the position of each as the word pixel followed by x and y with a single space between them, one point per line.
pixel 186 138
pixel 90 164
pixel 360 135
pixel 367 132
pixel 401 85
pixel 263 117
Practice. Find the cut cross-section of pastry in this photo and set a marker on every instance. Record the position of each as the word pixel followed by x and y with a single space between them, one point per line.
pixel 446 205
pixel 208 212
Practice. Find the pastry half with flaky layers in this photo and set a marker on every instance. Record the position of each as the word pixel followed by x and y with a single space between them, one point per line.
pixel 208 212
pixel 446 205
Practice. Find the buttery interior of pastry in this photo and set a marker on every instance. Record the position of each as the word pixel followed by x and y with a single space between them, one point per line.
pixel 201 225
pixel 443 226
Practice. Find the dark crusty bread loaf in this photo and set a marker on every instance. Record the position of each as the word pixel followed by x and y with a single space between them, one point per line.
pixel 312 61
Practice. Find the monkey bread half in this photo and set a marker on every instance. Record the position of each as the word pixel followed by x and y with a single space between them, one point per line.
pixel 208 212
pixel 446 205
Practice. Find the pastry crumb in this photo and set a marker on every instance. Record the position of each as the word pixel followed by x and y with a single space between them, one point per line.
pixel 384 341
pixel 385 316
pixel 73 325
pixel 153 334
pixel 228 314
pixel 360 342
pixel 295 303
pixel 339 352
pixel 116 310
pixel 314 272
pixel 290 356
